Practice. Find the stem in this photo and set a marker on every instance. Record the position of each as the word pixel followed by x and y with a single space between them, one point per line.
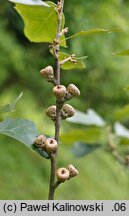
pixel 58 104
pixel 112 147
pixel 52 178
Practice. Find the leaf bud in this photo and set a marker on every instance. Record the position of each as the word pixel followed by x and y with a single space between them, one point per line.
pixel 50 145
pixel 48 73
pixel 73 171
pixel 51 112
pixel 39 141
pixel 67 111
pixel 73 90
pixel 62 174
pixel 59 91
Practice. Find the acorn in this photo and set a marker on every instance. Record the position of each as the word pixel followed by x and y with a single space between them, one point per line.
pixel 59 91
pixel 39 141
pixel 48 73
pixel 62 174
pixel 73 171
pixel 73 90
pixel 50 145
pixel 67 111
pixel 51 112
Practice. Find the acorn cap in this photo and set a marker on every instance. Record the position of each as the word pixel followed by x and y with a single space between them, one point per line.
pixel 67 111
pixel 59 91
pixel 39 141
pixel 62 174
pixel 48 73
pixel 73 90
pixel 73 171
pixel 51 112
pixel 50 145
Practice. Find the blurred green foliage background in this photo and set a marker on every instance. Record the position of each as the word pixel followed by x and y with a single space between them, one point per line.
pixel 23 174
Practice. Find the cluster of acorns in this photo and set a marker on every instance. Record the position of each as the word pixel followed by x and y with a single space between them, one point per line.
pixel 49 145
pixel 62 94
pixel 64 174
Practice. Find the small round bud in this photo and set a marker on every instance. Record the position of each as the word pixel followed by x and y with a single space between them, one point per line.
pixel 39 141
pixel 73 90
pixel 73 171
pixel 59 91
pixel 67 111
pixel 48 73
pixel 62 174
pixel 50 145
pixel 51 112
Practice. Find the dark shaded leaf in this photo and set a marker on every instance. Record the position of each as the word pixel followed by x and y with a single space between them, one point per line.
pixel 40 152
pixel 82 149
pixel 20 129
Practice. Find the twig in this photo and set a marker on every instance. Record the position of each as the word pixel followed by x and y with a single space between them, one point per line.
pixel 58 104
pixel 112 148
pixel 57 183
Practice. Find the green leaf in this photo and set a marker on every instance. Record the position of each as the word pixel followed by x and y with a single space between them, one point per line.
pixel 82 149
pixel 93 31
pixel 79 64
pixel 10 106
pixel 89 118
pixel 122 114
pixel 20 129
pixel 40 22
pixel 30 2
pixel 123 53
pixel 90 135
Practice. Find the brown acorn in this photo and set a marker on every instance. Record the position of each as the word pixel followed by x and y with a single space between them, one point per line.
pixel 73 90
pixel 62 174
pixel 50 145
pixel 39 141
pixel 67 111
pixel 51 112
pixel 73 171
pixel 59 91
pixel 48 73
